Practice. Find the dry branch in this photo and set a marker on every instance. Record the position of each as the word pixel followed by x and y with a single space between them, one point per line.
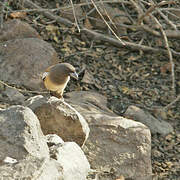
pixel 97 36
pixel 106 22
pixel 173 102
pixel 23 90
pixel 168 52
pixel 152 8
pixel 167 47
pixel 74 13
pixel 167 20
pixel 66 22
pixel 2 14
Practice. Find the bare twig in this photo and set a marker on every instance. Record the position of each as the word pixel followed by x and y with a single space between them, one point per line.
pixel 175 52
pixel 138 9
pixel 97 2
pixel 66 22
pixel 107 23
pixel 127 14
pixel 173 102
pixel 2 14
pixel 170 9
pixel 91 11
pixel 107 14
pixel 152 8
pixel 145 2
pixel 115 42
pixel 98 36
pixel 168 52
pixel 170 13
pixel 69 7
pixel 167 20
pixel 166 46
pixel 22 90
pixel 74 13
pixel 169 33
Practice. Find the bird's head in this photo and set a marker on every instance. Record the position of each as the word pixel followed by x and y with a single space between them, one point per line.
pixel 70 70
pixel 60 72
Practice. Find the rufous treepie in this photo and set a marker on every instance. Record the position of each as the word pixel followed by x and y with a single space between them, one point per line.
pixel 57 76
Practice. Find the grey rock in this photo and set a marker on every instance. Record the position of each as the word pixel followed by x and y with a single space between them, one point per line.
pixel 58 117
pixel 52 170
pixel 21 134
pixel 90 101
pixel 24 153
pixel 116 145
pixel 72 159
pixel 154 124
pixel 16 29
pixel 14 95
pixel 32 168
pixel 23 61
pixel 53 139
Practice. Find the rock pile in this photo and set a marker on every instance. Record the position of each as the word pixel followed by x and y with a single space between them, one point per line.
pixel 42 138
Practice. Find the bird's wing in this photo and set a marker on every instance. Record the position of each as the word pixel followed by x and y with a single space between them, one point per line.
pixel 49 68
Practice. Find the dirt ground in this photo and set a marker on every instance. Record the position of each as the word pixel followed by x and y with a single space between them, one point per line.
pixel 125 77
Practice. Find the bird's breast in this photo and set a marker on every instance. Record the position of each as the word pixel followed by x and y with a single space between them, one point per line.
pixel 54 86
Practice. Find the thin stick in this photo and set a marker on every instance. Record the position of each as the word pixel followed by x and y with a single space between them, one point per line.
pixel 115 42
pixel 97 36
pixel 177 17
pixel 21 90
pixel 169 33
pixel 127 14
pixel 170 9
pixel 138 9
pixel 66 22
pixel 167 20
pixel 107 23
pixel 98 2
pixel 107 14
pixel 76 22
pixel 168 52
pixel 173 102
pixel 66 7
pixel 152 8
pixel 2 15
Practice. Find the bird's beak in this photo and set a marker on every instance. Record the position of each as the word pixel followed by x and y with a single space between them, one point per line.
pixel 74 75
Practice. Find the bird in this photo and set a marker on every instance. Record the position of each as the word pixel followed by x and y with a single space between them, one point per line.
pixel 57 76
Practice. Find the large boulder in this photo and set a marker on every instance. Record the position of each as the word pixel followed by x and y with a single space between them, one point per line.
pixel 31 168
pixel 24 153
pixel 70 156
pixel 21 134
pixel 58 117
pixel 16 29
pixel 155 125
pixel 116 146
pixel 23 61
